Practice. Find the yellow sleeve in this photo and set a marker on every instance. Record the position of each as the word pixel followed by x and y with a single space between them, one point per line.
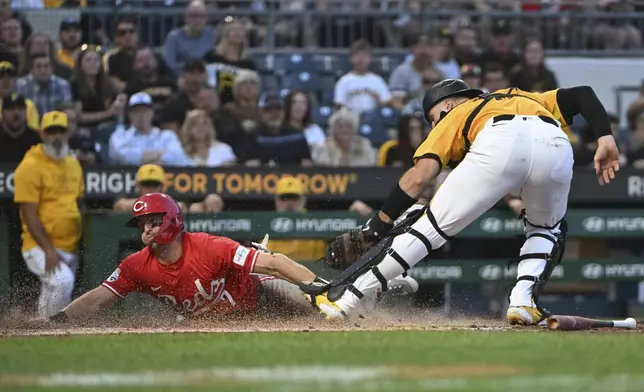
pixel 438 145
pixel 26 182
pixel 33 118
pixel 383 152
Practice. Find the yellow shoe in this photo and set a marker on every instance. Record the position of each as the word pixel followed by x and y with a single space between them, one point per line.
pixel 329 309
pixel 523 315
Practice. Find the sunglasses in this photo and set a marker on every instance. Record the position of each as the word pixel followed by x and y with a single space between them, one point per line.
pixel 125 32
pixel 150 183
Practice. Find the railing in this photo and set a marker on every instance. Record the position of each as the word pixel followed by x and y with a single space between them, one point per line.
pixel 562 32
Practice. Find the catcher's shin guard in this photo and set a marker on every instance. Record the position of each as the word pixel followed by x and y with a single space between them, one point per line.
pixel 541 253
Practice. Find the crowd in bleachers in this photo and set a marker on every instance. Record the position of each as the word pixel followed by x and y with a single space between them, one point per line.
pixel 203 99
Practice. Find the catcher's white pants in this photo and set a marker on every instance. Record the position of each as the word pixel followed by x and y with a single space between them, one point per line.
pixel 524 156
pixel 55 287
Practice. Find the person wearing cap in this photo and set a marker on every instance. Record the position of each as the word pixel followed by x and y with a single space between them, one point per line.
pixel 361 90
pixel 44 88
pixel 16 138
pixel 49 188
pixel 192 81
pixel 276 142
pixel 70 36
pixel 471 74
pixel 150 178
pixel 8 76
pixel 501 49
pixel 142 142
pixel 406 78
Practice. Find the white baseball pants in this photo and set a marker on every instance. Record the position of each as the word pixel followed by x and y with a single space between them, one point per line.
pixel 524 156
pixel 56 287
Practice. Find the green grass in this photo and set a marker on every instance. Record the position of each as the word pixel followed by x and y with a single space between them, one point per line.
pixel 574 361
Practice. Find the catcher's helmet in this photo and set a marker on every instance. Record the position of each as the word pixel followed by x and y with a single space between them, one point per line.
pixel 159 203
pixel 445 89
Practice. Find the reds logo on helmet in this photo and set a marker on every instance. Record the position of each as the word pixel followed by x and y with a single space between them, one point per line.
pixel 159 203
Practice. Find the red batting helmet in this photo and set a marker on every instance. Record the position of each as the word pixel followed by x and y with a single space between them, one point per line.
pixel 159 203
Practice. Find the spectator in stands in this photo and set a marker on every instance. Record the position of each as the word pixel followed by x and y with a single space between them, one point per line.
pixel 44 88
pixel 8 76
pixel 191 41
pixel 494 78
pixel 532 74
pixel 343 146
pixel 442 54
pixel 7 12
pixel 49 188
pixel 465 45
pixel 616 34
pixel 228 58
pixel 16 137
pixel 361 90
pixel 95 98
pixel 150 178
pixel 81 142
pixel 289 197
pixel 430 76
pixel 501 50
pixel 193 81
pixel 70 36
pixel 148 78
pixel 142 142
pixel 118 62
pixel 277 144
pixel 400 152
pixel 406 77
pixel 244 107
pixel 40 43
pixel 471 74
pixel 297 115
pixel 199 139
pixel 11 36
pixel 636 152
pixel 407 26
pixel 229 130
pixel 635 108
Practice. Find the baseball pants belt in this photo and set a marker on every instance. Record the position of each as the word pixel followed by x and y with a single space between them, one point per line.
pixel 510 117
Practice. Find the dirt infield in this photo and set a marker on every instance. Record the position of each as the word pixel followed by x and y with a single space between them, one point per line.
pixel 384 322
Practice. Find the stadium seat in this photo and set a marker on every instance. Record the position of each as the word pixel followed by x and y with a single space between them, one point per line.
pixel 270 81
pixel 372 127
pixel 321 115
pixel 295 62
pixel 384 65
pixel 390 117
pixel 263 62
pixel 304 81
pixel 329 64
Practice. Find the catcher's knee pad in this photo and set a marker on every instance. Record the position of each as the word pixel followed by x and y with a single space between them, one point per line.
pixel 540 254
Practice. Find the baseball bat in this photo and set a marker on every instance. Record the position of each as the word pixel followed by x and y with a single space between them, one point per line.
pixel 575 323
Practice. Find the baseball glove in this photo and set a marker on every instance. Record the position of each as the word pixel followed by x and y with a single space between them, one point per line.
pixel 346 249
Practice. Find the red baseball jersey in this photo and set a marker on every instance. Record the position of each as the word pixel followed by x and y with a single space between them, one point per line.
pixel 213 275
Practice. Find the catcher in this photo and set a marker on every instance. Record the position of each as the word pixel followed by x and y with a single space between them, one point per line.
pixel 506 142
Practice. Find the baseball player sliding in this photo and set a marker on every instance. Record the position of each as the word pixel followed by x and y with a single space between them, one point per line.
pixel 195 273
pixel 506 142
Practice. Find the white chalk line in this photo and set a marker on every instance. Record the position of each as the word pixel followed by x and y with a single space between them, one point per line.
pixel 361 379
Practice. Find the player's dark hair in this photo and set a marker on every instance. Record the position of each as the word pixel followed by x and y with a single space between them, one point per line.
pixel 288 107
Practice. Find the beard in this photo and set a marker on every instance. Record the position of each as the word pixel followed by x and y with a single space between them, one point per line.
pixel 57 150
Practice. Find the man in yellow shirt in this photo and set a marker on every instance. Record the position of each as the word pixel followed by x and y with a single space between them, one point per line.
pixel 8 75
pixel 49 187
pixel 289 197
pixel 70 35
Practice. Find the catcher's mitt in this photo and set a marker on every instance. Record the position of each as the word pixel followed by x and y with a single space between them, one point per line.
pixel 345 249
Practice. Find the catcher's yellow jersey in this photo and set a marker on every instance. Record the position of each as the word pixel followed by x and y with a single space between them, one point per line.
pixel 450 139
